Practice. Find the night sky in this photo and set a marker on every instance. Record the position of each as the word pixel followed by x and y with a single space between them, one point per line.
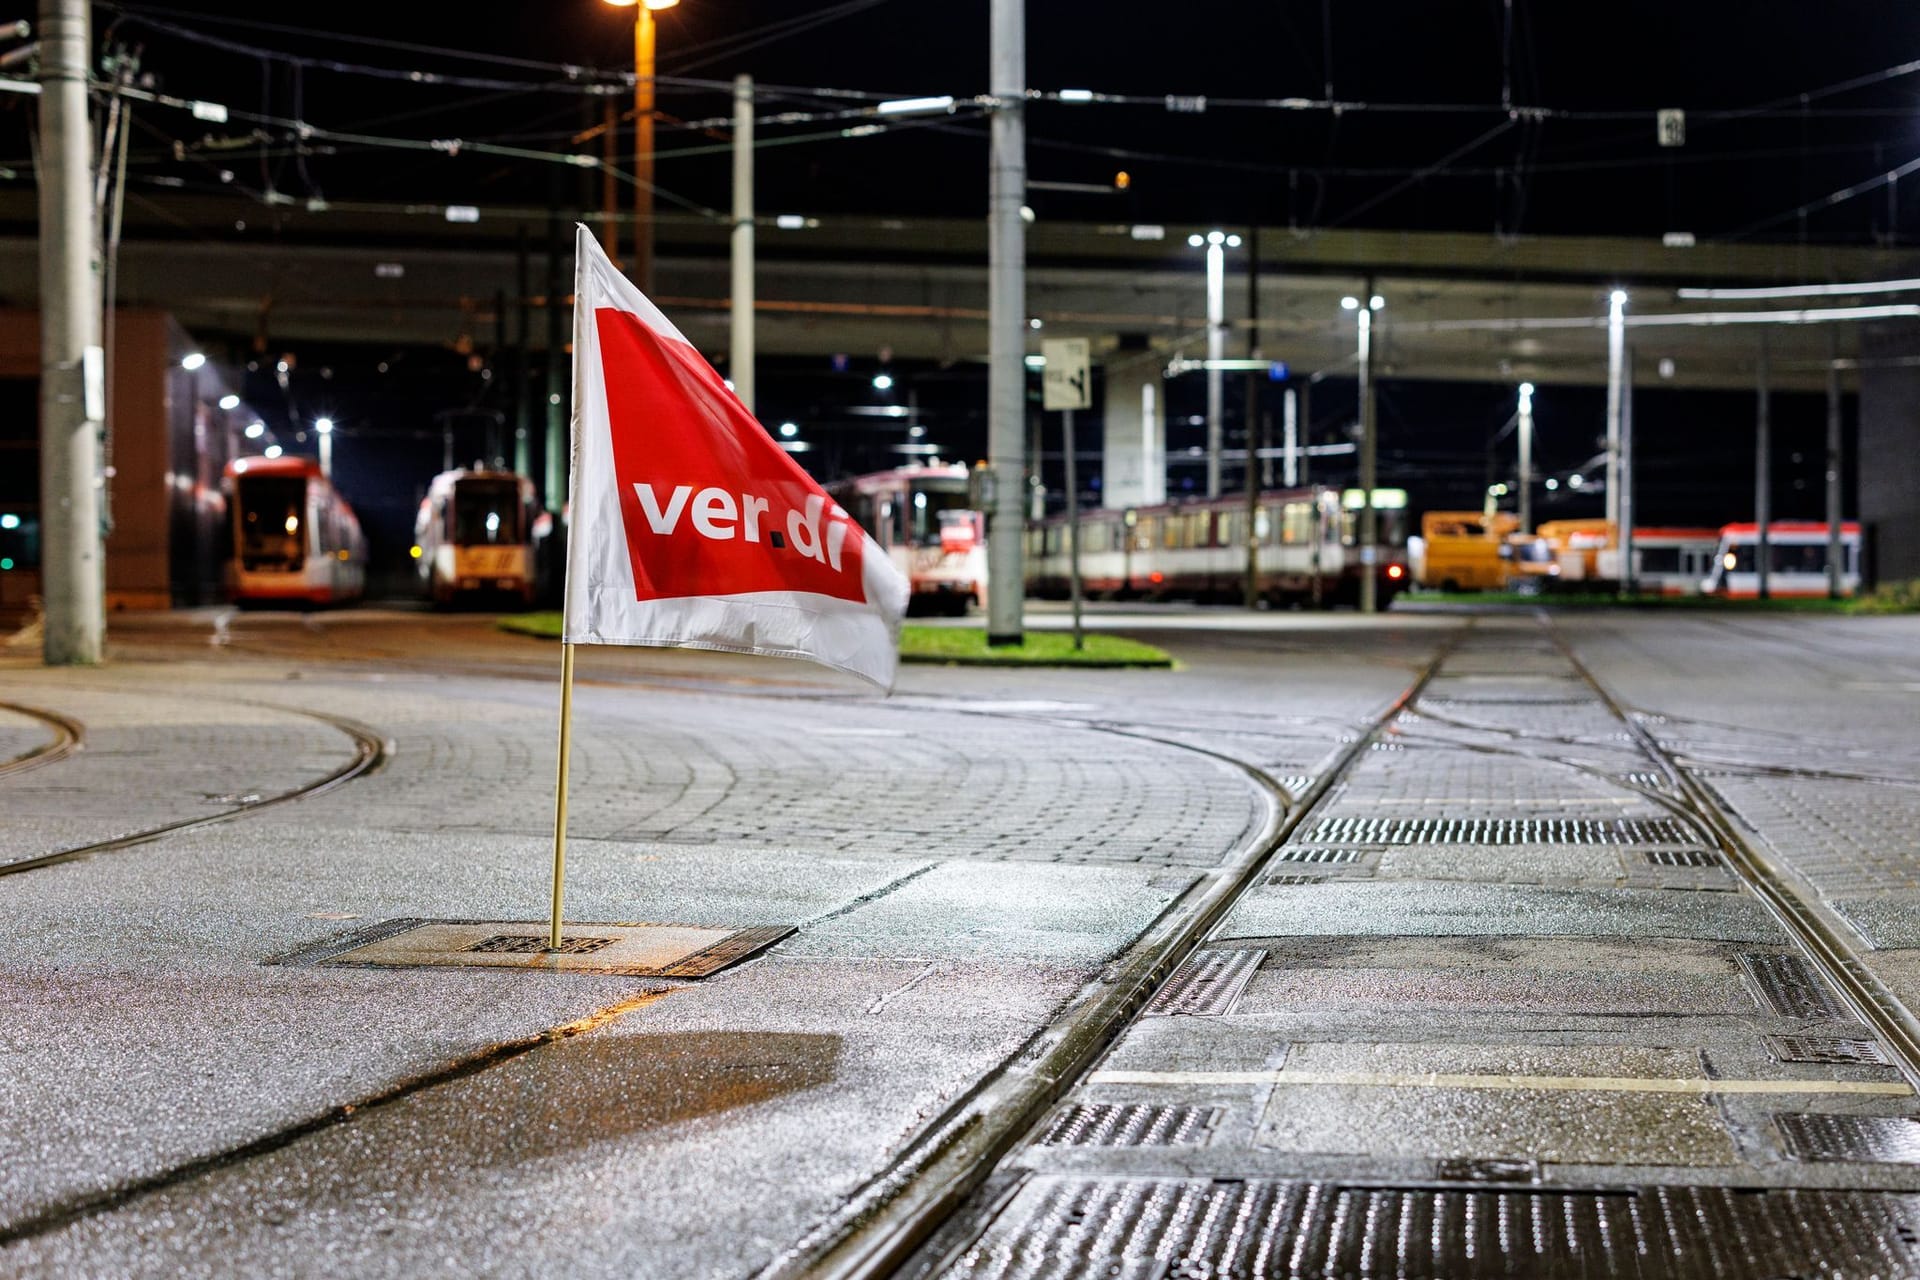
pixel 1529 118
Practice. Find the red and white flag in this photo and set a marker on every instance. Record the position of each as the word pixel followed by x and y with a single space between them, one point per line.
pixel 691 527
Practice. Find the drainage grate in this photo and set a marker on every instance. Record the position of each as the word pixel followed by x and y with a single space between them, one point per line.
pixel 531 943
pixel 1285 879
pixel 1209 983
pixel 1790 985
pixel 1827 1049
pixel 1869 1139
pixel 1684 858
pixel 1298 853
pixel 1503 831
pixel 1140 1228
pixel 1102 1124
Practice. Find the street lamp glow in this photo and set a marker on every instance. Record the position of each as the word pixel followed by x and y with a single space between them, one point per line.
pixel 883 382
pixel 1349 303
pixel 915 106
pixel 1618 297
pixel 1376 302
pixel 789 429
pixel 273 451
pixel 323 425
pixel 1233 242
pixel 1526 389
pixel 229 401
pixel 651 4
pixel 192 360
pixel 1216 237
pixel 255 430
pixel 1575 480
pixel 1195 241
pixel 1552 484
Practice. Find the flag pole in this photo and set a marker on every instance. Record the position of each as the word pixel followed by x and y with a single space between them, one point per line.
pixel 560 790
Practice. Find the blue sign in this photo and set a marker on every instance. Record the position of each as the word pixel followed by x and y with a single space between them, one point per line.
pixel 1277 371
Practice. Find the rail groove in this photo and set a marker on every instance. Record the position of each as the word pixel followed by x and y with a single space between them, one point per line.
pixel 879 1227
pixel 69 736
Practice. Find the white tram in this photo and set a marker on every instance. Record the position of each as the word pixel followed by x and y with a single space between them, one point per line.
pixel 1308 548
pixel 1796 560
pixel 928 521
pixel 295 539
pixel 473 536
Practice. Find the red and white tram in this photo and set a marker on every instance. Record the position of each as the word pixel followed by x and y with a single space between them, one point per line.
pixel 1673 562
pixel 1796 560
pixel 928 521
pixel 473 536
pixel 295 539
pixel 1308 548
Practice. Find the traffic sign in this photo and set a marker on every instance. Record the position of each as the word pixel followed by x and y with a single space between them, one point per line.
pixel 1067 382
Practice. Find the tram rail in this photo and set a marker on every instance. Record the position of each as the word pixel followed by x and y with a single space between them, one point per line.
pixel 69 736
pixel 370 752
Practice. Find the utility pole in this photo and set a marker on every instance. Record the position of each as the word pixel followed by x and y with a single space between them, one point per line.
pixel 72 363
pixel 1369 446
pixel 522 390
pixel 1216 352
pixel 741 344
pixel 1763 478
pixel 1616 354
pixel 1007 323
pixel 1254 441
pixel 1836 564
pixel 554 490
pixel 1626 471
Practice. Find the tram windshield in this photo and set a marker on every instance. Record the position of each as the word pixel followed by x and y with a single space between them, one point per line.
pixel 918 523
pixel 486 512
pixel 272 520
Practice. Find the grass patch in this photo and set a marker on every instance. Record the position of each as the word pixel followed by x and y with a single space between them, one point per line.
pixel 545 625
pixel 956 645
pixel 1037 649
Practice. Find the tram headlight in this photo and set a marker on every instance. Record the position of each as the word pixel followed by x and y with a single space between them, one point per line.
pixel 414 551
pixel 1728 561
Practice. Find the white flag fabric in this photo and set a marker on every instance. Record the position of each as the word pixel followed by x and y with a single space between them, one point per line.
pixel 691 527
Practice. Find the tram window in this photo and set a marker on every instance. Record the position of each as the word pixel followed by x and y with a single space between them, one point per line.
pixel 1799 558
pixel 271 514
pixel 1098 536
pixel 1660 560
pixel 1146 533
pixel 1296 523
pixel 1229 529
pixel 486 512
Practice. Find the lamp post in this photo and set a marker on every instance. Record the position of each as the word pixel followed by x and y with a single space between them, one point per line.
pixel 1526 457
pixel 643 35
pixel 1216 244
pixel 324 428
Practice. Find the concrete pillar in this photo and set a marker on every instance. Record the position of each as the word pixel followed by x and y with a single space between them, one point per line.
pixel 1889 451
pixel 1133 470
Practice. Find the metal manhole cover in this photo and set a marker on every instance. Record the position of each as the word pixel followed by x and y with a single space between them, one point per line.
pixel 1867 1139
pixel 1684 858
pixel 1208 984
pixel 1263 1229
pixel 630 949
pixel 1827 1049
pixel 1502 831
pixel 1790 985
pixel 523 944
pixel 1102 1124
